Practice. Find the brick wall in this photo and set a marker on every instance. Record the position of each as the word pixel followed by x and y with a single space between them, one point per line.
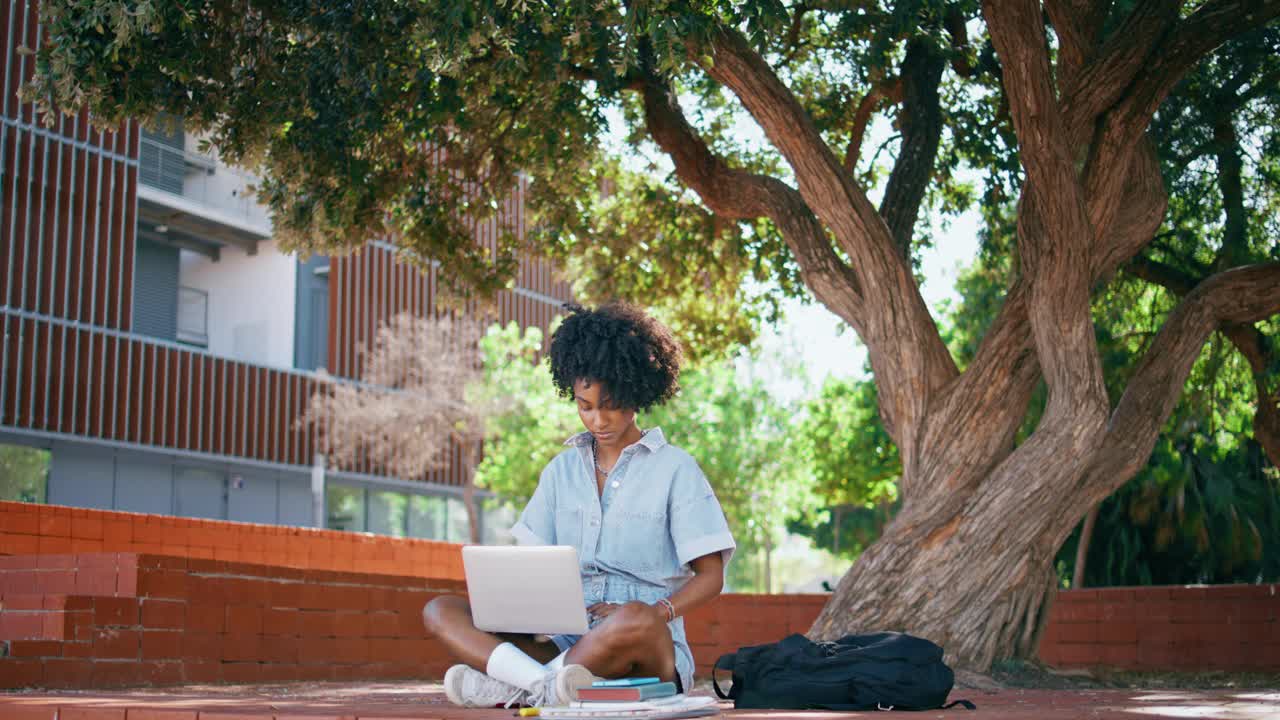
pixel 27 528
pixel 94 598
pixel 120 619
pixel 1220 627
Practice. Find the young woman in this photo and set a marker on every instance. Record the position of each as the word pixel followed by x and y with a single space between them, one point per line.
pixel 651 536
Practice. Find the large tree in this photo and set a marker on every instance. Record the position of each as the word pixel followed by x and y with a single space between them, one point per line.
pixel 413 118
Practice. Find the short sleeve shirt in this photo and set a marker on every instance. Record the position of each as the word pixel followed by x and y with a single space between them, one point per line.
pixel 636 539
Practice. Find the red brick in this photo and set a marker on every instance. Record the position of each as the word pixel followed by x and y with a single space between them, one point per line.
pixel 1079 654
pixel 96 581
pixel 206 618
pixel 171 584
pixel 161 644
pixel 202 671
pixel 163 614
pixel 1076 633
pixel 316 623
pixel 1121 656
pixel 35 648
pixel 80 712
pixel 135 713
pixel 21 672
pixel 201 646
pixel 279 650
pixel 54 522
pixel 14 601
pixel 351 625
pixel 242 648
pixel 244 620
pixel 383 624
pixel 68 672
pixel 24 625
pixel 1118 632
pixel 19 582
pixel 116 673
pixel 113 611
pixel 116 644
pixel 127 578
pixel 56 582
pixel 280 622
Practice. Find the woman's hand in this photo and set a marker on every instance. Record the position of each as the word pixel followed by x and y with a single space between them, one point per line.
pixel 602 610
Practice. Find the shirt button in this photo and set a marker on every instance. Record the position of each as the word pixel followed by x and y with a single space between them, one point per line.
pixel 615 483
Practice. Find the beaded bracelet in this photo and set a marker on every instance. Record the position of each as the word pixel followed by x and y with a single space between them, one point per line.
pixel 671 609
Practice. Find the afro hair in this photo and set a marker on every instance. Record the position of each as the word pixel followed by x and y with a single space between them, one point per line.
pixel 634 357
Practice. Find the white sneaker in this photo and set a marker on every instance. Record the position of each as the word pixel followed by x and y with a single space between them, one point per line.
pixel 468 687
pixel 560 687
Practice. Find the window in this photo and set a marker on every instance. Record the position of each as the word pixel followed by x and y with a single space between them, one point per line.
pixel 458 524
pixel 387 513
pixel 24 473
pixel 193 316
pixel 345 506
pixel 427 517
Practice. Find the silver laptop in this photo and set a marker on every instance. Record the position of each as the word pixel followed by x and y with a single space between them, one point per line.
pixel 527 589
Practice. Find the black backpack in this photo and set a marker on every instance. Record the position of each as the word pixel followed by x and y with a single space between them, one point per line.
pixel 879 671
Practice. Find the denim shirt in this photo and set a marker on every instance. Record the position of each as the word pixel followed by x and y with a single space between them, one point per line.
pixel 636 539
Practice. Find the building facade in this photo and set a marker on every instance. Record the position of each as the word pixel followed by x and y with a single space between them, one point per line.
pixel 159 349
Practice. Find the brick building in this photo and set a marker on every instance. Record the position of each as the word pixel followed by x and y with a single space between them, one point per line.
pixel 158 347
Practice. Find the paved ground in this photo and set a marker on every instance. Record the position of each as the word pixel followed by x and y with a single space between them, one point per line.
pixel 382 701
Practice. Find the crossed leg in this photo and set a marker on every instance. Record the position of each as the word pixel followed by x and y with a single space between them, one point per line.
pixel 629 642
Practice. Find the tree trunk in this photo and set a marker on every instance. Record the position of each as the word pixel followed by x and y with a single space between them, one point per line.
pixel 768 564
pixel 470 459
pixel 1082 548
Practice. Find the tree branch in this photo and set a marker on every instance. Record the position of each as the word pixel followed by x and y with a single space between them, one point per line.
pixel 1233 297
pixel 907 354
pixel 1247 338
pixel 1055 237
pixel 740 195
pixel 890 90
pixel 921 125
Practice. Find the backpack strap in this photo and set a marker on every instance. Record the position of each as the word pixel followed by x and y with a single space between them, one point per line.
pixel 725 662
pixel 963 703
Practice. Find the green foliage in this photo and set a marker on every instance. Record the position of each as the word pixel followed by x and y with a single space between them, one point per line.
pixel 738 433
pixel 532 431
pixel 24 473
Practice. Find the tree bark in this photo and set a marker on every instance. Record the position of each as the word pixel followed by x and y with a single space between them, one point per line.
pixel 470 452
pixel 1082 548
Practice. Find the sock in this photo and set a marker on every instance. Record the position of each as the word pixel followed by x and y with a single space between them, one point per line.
pixel 556 663
pixel 510 665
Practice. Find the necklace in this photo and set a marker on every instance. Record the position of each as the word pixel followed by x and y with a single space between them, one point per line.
pixel 596 462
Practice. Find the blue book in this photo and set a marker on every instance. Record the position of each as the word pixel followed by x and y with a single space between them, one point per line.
pixel 635 693
pixel 625 682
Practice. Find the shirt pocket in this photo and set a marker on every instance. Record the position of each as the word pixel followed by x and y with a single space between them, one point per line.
pixel 569 527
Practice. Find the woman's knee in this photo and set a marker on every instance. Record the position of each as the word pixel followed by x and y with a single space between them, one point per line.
pixel 443 610
pixel 638 620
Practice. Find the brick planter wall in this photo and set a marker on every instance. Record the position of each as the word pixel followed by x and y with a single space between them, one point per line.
pixel 120 619
pixel 97 599
pixel 1219 627
pixel 28 529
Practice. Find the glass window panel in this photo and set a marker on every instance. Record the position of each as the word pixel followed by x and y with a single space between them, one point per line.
pixel 459 527
pixel 24 473
pixel 345 506
pixel 427 517
pixel 386 513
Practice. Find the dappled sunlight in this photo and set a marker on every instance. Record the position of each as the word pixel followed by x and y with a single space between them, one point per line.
pixel 1235 706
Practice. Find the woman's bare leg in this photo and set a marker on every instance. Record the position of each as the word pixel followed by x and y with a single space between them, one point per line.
pixel 629 642
pixel 448 617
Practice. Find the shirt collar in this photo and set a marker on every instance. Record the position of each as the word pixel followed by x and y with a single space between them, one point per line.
pixel 652 439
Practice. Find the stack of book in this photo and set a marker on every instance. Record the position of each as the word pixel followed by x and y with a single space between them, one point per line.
pixel 632 699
